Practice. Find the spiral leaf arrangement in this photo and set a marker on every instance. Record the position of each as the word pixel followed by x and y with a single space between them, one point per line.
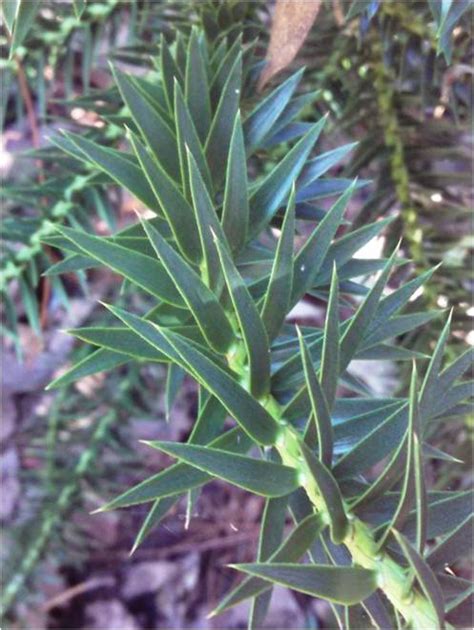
pixel 219 263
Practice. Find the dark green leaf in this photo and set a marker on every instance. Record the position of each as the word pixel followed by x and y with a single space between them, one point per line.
pixel 310 258
pixel 261 121
pixel 142 270
pixel 408 493
pixel 253 418
pixel 187 137
pixel 291 550
pixel 324 162
pixel 155 515
pixel 208 223
pixel 343 585
pixel 174 380
pixel 259 476
pixel 197 88
pixel 99 361
pixel 203 304
pixel 177 478
pixel 235 212
pixel 328 490
pixel 121 340
pixel 218 140
pixel 374 446
pixel 154 130
pixel 319 408
pixel 250 323
pixel 271 532
pixel 425 578
pixel 224 69
pixel 330 352
pixel 114 163
pixel 355 332
pixel 274 189
pixel 169 71
pixel 30 304
pixel 175 208
pixel 429 393
pixel 277 296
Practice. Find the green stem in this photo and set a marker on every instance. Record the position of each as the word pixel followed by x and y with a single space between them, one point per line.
pixel 360 542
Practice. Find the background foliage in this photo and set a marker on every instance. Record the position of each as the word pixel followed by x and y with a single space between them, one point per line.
pixel 393 92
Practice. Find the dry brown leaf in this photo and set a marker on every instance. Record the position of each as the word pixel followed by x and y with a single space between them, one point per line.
pixel 291 24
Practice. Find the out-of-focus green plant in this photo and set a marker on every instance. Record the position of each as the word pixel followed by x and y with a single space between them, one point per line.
pixel 75 423
pixel 52 50
pixel 392 77
pixel 219 264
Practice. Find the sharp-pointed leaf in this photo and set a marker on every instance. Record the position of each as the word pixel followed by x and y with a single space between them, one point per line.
pixel 319 407
pixel 274 189
pixel 343 585
pixel 328 490
pixel 253 418
pixel 203 304
pixel 261 121
pixel 324 162
pixel 174 380
pixel 291 550
pixel 235 211
pixel 256 475
pixel 197 88
pixel 121 340
pixel 187 137
pixel 278 293
pixel 154 130
pixel 410 490
pixel 355 332
pixel 310 258
pixel 330 351
pixel 99 361
pixel 142 270
pixel 425 578
pixel 115 164
pixel 271 532
pixel 175 208
pixel 155 515
pixel 250 323
pixel 208 224
pixel 169 71
pixel 218 141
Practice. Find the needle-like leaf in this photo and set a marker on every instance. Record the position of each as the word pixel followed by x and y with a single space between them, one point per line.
pixel 197 89
pixel 256 475
pixel 175 208
pixel 330 352
pixel 200 300
pixel 329 491
pixel 155 131
pixel 290 550
pixel 319 406
pixel 250 323
pixel 343 585
pixel 277 295
pixel 426 579
pixel 235 211
pixel 147 273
